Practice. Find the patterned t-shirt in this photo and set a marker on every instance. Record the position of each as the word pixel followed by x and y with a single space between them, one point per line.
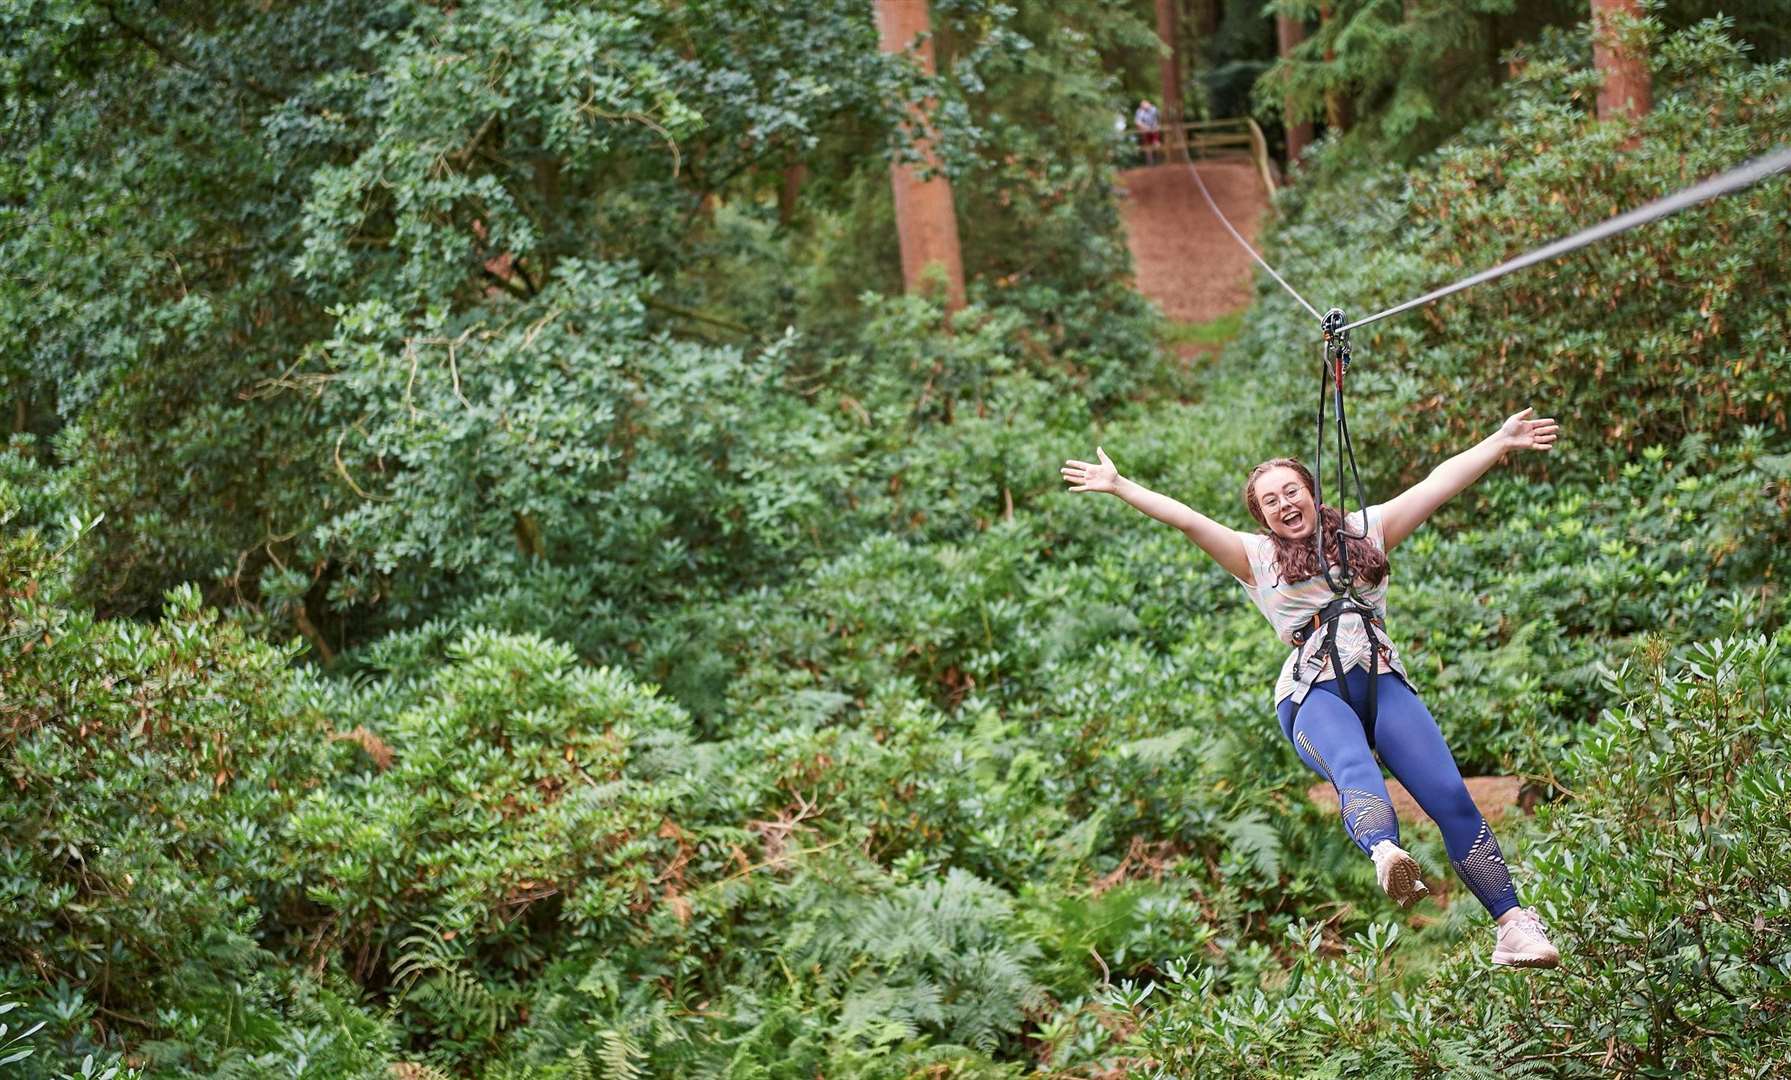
pixel 1289 607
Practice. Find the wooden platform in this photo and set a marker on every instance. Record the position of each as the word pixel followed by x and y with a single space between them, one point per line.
pixel 1494 795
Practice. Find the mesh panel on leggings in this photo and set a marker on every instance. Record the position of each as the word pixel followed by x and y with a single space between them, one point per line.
pixel 1484 869
pixel 1367 815
pixel 1306 745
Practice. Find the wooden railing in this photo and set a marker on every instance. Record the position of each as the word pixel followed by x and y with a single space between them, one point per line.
pixel 1236 136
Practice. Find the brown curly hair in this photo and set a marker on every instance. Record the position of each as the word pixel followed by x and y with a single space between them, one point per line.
pixel 1297 560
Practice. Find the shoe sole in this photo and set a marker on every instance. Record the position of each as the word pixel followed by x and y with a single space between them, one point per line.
pixel 1528 962
pixel 1404 885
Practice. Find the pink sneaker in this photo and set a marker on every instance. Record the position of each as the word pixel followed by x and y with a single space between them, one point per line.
pixel 1522 942
pixel 1398 874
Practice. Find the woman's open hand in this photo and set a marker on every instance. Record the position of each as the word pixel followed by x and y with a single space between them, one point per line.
pixel 1525 432
pixel 1092 476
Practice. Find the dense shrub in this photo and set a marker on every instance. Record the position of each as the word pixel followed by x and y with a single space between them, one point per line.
pixel 503 802
pixel 149 764
pixel 1665 330
pixel 151 767
pixel 942 751
pixel 1664 880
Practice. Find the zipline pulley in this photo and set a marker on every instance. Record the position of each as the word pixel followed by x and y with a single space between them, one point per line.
pixel 1337 352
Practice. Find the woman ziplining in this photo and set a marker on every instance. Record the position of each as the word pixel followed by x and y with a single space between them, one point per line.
pixel 1320 575
pixel 1343 694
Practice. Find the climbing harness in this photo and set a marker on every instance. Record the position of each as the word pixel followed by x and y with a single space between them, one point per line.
pixel 1324 622
pixel 1346 601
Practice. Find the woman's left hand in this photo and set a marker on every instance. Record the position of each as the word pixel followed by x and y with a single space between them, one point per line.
pixel 1523 431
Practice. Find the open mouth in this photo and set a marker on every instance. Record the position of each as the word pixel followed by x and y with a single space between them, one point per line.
pixel 1292 519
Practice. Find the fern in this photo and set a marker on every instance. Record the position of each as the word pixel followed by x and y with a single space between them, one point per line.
pixel 429 971
pixel 1159 749
pixel 1253 836
pixel 619 1054
pixel 578 1066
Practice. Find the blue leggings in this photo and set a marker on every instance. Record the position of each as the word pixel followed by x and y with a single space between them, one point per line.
pixel 1339 743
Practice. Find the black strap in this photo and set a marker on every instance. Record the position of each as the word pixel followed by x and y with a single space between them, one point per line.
pixel 1335 365
pixel 1325 623
pixel 1342 581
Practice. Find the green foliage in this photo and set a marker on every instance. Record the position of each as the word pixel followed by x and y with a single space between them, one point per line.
pixel 1697 318
pixel 470 468
pixel 15 1047
pixel 414 303
pixel 1394 81
pixel 1664 878
pixel 452 339
pixel 152 767
pixel 149 764
pixel 1400 77
pixel 1027 137
pixel 507 796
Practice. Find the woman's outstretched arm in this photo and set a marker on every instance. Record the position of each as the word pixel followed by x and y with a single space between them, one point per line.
pixel 1223 544
pixel 1402 516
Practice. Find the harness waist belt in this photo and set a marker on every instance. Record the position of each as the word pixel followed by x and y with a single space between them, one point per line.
pixel 1328 614
pixel 1325 622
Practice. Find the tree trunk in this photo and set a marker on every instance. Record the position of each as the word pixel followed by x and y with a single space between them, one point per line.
pixel 1289 32
pixel 1169 67
pixel 1337 110
pixel 547 183
pixel 1628 88
pixel 788 190
pixel 926 221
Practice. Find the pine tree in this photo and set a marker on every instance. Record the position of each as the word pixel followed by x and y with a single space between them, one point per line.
pixel 1289 32
pixel 1169 68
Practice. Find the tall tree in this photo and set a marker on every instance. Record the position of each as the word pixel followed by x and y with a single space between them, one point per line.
pixel 1627 89
pixel 1289 32
pixel 926 221
pixel 1169 66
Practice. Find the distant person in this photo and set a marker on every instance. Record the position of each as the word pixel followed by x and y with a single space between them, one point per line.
pixel 1150 131
pixel 1343 693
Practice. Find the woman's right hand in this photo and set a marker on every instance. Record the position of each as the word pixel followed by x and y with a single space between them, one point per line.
pixel 1092 476
pixel 1226 546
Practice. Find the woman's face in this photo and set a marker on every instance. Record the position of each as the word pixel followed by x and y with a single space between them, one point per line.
pixel 1286 503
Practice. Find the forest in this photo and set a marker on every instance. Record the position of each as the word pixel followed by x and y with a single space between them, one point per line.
pixel 507 572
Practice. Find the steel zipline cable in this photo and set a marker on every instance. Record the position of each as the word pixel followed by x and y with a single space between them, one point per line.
pixel 1734 180
pixel 1245 244
pixel 1336 347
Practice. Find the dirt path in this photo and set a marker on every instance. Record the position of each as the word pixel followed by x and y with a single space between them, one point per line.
pixel 1496 796
pixel 1185 259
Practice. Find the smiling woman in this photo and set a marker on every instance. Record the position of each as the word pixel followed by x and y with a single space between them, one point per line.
pixel 1329 607
pixel 1279 494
